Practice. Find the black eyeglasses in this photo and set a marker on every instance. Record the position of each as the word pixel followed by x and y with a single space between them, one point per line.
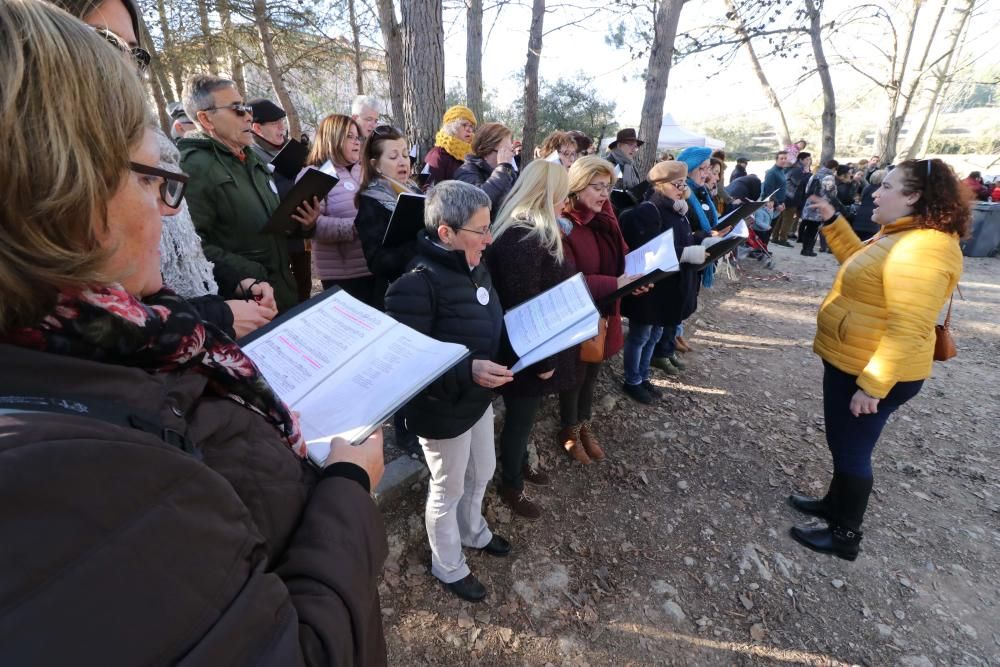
pixel 483 232
pixel 139 55
pixel 237 108
pixel 171 187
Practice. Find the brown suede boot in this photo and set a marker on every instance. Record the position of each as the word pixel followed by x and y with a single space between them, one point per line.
pixel 569 439
pixel 590 442
pixel 520 503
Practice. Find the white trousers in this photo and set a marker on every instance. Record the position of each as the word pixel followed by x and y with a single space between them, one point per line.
pixel 461 468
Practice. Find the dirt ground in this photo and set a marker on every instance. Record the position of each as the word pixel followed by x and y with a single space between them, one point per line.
pixel 675 551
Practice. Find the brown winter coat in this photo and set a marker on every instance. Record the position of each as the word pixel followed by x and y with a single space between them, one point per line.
pixel 119 549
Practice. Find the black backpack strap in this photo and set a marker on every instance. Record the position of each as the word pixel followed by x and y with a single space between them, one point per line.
pixel 111 412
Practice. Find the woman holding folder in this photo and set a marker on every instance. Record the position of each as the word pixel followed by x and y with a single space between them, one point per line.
pixel 525 259
pixel 657 314
pixel 593 243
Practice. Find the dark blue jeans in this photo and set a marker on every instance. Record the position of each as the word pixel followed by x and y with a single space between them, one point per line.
pixel 639 345
pixel 852 439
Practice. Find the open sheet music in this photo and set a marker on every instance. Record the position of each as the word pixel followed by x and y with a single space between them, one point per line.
pixel 744 210
pixel 553 321
pixel 734 238
pixel 345 366
pixel 654 260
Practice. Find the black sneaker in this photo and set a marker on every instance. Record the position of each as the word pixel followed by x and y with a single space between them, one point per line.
pixel 783 243
pixel 469 588
pixel 809 254
pixel 497 546
pixel 652 389
pixel 638 393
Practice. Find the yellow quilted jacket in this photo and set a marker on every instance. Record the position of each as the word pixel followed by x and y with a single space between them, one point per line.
pixel 878 320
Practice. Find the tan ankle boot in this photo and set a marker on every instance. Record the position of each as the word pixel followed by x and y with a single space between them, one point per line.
pixel 569 439
pixel 590 442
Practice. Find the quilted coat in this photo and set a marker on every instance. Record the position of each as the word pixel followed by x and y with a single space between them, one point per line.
pixel 878 320
pixel 337 252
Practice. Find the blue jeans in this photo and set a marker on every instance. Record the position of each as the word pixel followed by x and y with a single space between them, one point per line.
pixel 639 346
pixel 852 439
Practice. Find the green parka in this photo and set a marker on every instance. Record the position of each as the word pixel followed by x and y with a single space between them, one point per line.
pixel 230 201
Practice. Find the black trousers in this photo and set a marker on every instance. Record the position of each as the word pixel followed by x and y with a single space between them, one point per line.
pixel 575 405
pixel 807 234
pixel 302 272
pixel 518 421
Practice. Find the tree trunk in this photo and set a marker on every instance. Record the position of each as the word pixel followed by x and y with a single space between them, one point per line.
pixel 661 56
pixel 169 57
pixel 155 80
pixel 529 139
pixel 206 34
pixel 423 69
pixel 267 46
pixel 393 39
pixel 359 73
pixel 777 113
pixel 911 92
pixel 235 58
pixel 885 144
pixel 474 56
pixel 829 117
pixel 922 137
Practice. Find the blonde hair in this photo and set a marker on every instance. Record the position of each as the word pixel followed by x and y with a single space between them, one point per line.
pixel 585 169
pixel 329 141
pixel 531 205
pixel 66 92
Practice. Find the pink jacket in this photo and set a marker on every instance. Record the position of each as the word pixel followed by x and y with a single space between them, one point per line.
pixel 336 248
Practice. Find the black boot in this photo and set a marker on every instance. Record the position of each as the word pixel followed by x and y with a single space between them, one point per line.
pixel 846 505
pixel 834 540
pixel 817 507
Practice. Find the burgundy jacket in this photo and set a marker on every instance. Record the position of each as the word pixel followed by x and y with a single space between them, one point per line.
pixel 597 249
pixel 121 549
pixel 441 166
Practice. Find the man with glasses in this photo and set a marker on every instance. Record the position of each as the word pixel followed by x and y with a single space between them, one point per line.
pixel 621 153
pixel 232 194
pixel 364 111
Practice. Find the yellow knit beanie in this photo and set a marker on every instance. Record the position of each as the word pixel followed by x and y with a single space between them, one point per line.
pixel 458 112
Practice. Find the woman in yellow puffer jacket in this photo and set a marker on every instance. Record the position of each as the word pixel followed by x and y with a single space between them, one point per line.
pixel 875 331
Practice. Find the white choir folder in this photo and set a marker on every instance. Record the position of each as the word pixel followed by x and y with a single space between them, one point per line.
pixel 345 366
pixel 555 320
pixel 651 262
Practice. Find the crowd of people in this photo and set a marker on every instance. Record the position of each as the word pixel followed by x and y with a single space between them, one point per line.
pixel 183 521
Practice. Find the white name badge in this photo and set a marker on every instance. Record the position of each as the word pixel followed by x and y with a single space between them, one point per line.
pixel 349 186
pixel 483 296
pixel 274 188
pixel 704 207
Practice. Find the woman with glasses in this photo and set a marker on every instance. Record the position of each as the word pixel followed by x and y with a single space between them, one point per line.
pixel 594 245
pixel 525 259
pixel 875 331
pixel 449 295
pixel 656 315
pixel 451 144
pixel 490 164
pixel 558 146
pixel 164 482
pixel 338 257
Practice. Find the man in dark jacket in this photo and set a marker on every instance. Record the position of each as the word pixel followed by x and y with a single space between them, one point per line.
pixel 796 177
pixel 740 170
pixel 270 134
pixel 448 295
pixel 231 194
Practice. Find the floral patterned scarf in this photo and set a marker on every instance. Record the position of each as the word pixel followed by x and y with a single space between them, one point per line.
pixel 161 334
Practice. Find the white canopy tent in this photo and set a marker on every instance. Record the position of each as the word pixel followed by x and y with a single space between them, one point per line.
pixel 672 135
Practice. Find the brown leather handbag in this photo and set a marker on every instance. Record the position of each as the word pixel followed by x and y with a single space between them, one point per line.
pixel 944 344
pixel 592 350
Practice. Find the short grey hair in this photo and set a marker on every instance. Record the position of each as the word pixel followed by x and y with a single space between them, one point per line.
pixel 878 176
pixel 362 102
pixel 452 203
pixel 198 94
pixel 453 126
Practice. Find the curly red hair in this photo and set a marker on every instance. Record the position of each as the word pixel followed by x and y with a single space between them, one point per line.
pixel 943 203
